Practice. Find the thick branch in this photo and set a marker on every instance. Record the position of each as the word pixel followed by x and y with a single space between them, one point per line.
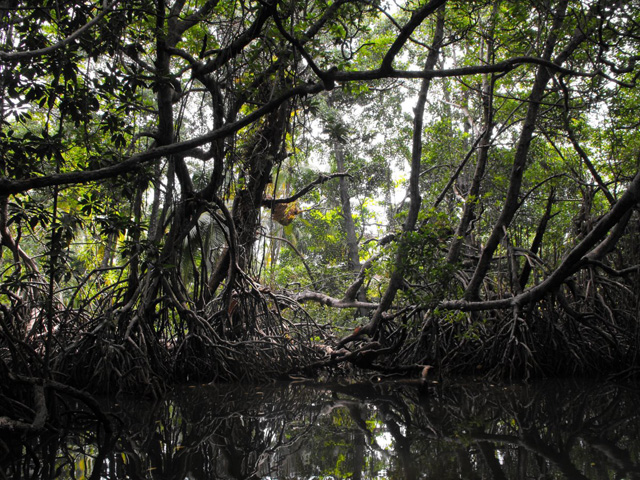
pixel 39 418
pixel 349 300
pixel 397 275
pixel 416 19
pixel 331 301
pixel 226 54
pixel 178 27
pixel 132 163
pixel 502 67
pixel 521 156
pixel 578 148
pixel 536 244
pixel 298 46
pixel 353 289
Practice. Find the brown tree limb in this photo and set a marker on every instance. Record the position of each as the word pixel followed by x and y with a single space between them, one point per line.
pixel 329 301
pixel 502 67
pixel 536 244
pixel 132 163
pixel 483 143
pixel 353 289
pixel 612 271
pixel 511 203
pixel 414 22
pixel 578 148
pixel 456 174
pixel 7 240
pixel 415 200
pixel 240 42
pixel 349 299
pixel 327 82
pixel 232 249
pixel 39 418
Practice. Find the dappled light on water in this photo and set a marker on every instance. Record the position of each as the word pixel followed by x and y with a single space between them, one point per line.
pixel 467 429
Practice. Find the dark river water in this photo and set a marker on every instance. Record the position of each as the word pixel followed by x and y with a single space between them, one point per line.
pixel 464 429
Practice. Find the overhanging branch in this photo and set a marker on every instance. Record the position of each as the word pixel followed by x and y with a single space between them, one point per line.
pixel 9 187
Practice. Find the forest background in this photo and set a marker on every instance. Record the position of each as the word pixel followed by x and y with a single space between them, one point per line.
pixel 234 190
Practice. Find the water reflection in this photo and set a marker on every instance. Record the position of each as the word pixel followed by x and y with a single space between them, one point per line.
pixel 291 431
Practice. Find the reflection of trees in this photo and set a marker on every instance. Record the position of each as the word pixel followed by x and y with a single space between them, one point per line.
pixel 52 454
pixel 472 430
pixel 243 434
pixel 480 431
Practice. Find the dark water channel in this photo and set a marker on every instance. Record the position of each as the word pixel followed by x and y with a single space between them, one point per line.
pixel 467 429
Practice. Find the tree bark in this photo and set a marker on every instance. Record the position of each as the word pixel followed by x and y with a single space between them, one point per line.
pixel 592 247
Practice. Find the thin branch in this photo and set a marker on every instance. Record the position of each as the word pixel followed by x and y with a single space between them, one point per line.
pixel 458 170
pixel 612 271
pixel 273 237
pixel 13 56
pixel 416 19
pixel 322 178
pixel 500 67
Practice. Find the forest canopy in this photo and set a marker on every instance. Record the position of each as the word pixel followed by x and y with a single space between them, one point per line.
pixel 234 190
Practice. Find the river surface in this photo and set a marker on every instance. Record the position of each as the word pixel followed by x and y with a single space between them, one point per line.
pixel 390 430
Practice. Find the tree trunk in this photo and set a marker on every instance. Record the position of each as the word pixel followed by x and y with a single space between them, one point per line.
pixel 353 252
pixel 483 153
pixel 265 152
pixel 397 275
pixel 536 244
pixel 511 203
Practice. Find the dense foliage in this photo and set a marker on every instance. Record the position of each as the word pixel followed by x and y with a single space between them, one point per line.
pixel 231 190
